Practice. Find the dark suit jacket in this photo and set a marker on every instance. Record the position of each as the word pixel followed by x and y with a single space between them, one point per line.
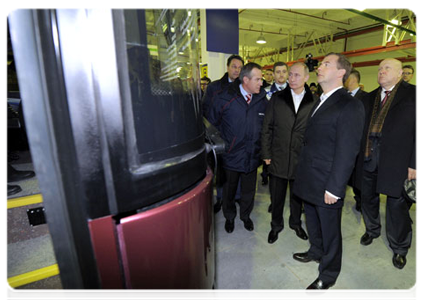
pixel 283 130
pixel 331 144
pixel 212 89
pixel 361 94
pixel 398 141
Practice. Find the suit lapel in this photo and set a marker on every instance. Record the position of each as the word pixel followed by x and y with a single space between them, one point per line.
pixel 335 97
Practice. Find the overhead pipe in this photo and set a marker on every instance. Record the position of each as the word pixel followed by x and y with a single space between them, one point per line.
pixel 371 63
pixel 270 32
pixel 351 33
pixel 366 51
pixel 386 22
pixel 311 16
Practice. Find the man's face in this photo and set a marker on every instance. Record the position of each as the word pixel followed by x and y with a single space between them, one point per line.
pixel 297 78
pixel 407 74
pixel 204 84
pixel 268 76
pixel 252 85
pixel 281 74
pixel 328 71
pixel 234 69
pixel 389 73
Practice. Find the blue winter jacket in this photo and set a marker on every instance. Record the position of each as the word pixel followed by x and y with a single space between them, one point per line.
pixel 240 127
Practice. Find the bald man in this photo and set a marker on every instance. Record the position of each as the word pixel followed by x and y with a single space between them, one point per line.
pixel 388 158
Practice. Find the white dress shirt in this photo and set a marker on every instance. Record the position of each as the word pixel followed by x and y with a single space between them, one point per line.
pixel 297 98
pixel 382 95
pixel 323 98
pixel 244 92
pixel 281 87
pixel 353 92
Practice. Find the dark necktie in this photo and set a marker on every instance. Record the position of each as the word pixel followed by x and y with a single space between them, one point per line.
pixel 385 98
pixel 248 98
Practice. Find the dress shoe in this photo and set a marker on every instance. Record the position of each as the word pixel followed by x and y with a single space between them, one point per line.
pixel 13 189
pixel 299 231
pixel 270 208
pixel 319 285
pixel 217 205
pixel 399 261
pixel 273 236
pixel 248 224
pixel 366 239
pixel 304 257
pixel 265 181
pixel 229 226
pixel 15 175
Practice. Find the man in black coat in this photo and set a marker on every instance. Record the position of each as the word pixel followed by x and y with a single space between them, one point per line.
pixel 238 114
pixel 282 139
pixel 353 86
pixel 388 154
pixel 234 65
pixel 331 144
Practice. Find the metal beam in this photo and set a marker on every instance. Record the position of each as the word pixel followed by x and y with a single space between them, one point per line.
pixel 311 16
pixel 386 22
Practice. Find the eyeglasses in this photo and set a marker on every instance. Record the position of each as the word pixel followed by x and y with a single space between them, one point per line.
pixel 407 73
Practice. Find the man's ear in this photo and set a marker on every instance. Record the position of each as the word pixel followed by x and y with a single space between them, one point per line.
pixel 342 72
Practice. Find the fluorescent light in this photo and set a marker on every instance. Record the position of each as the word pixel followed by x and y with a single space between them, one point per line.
pixel 261 39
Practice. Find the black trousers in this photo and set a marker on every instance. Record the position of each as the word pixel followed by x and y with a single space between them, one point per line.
pixel 398 221
pixel 324 230
pixel 278 187
pixel 248 191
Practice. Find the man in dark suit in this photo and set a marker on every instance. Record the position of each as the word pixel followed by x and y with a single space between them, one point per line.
pixel 282 135
pixel 331 144
pixel 353 86
pixel 388 154
pixel 238 114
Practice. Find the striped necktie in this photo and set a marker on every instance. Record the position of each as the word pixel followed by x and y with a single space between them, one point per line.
pixel 248 98
pixel 385 98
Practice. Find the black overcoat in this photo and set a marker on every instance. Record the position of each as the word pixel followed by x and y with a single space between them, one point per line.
pixel 283 130
pixel 398 141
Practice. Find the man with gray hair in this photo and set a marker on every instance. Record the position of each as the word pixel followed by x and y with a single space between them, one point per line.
pixel 283 129
pixel 238 114
pixel 388 158
pixel 330 145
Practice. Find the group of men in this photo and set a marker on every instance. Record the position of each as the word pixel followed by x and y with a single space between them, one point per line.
pixel 316 146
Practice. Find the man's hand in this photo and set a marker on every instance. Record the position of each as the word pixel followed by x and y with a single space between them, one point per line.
pixel 411 173
pixel 329 199
pixel 267 161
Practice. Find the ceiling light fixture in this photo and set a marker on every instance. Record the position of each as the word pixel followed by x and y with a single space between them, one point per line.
pixel 261 39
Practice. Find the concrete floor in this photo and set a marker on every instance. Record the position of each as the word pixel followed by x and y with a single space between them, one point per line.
pixel 245 260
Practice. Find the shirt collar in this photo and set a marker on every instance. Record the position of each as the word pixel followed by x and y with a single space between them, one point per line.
pixel 353 92
pixel 390 89
pixel 281 86
pixel 243 92
pixel 298 95
pixel 323 97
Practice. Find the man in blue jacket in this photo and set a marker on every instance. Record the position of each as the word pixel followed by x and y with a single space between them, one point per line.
pixel 330 146
pixel 238 114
